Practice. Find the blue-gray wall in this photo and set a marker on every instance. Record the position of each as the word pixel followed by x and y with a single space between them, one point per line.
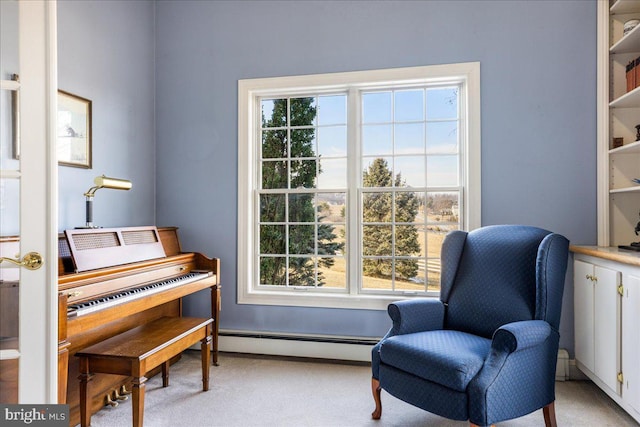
pixel 538 78
pixel 163 81
pixel 106 53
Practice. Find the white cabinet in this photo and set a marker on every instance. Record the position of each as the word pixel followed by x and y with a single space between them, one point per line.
pixel 618 116
pixel 607 321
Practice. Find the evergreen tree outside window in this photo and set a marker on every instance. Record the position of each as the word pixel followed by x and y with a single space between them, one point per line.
pixel 354 183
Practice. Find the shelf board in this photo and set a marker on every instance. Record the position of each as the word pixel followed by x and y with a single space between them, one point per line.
pixel 634 147
pixel 629 43
pixel 625 6
pixel 628 100
pixel 634 189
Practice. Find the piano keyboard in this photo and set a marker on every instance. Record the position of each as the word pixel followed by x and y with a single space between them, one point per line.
pixel 91 306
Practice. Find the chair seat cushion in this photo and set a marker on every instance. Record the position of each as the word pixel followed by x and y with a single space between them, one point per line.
pixel 446 357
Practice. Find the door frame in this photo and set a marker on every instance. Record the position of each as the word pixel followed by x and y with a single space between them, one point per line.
pixel 38 330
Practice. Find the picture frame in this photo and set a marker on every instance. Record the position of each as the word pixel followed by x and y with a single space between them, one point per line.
pixel 74 132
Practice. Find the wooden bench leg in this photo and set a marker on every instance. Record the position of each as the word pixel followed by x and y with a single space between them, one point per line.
pixel 204 350
pixel 138 401
pixel 85 405
pixel 165 374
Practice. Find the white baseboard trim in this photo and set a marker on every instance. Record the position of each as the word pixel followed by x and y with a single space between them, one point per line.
pixel 562 366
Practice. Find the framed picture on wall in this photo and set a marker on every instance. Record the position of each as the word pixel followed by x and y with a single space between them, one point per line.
pixel 74 130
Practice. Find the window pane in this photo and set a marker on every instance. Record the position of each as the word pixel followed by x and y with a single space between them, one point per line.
pixel 302 271
pixel 331 239
pixel 376 172
pixel 272 271
pixel 376 240
pixel 274 144
pixel 435 237
pixel 332 272
pixel 332 110
pixel 443 207
pixel 409 138
pixel 409 105
pixel 442 171
pixel 406 270
pixel 274 174
pixel 302 239
pixel 303 142
pixel 442 103
pixel 409 171
pixel 272 239
pixel 272 207
pixel 303 173
pixel 442 138
pixel 332 141
pixel 331 207
pixel 376 274
pixel 274 112
pixel 376 207
pixel 407 240
pixel 377 140
pixel 303 111
pixel 301 207
pixel 376 107
pixel 407 205
pixel 333 173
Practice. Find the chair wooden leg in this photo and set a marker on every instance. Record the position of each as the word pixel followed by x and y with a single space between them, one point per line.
pixel 549 412
pixel 376 390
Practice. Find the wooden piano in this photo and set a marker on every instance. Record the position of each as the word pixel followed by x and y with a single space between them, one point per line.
pixel 101 296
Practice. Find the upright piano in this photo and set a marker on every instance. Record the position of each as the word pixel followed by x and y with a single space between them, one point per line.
pixel 112 280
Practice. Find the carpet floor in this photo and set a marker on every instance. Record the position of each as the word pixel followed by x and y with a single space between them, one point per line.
pixel 247 391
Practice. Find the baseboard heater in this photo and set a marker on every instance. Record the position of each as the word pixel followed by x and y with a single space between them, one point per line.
pixel 297 345
pixel 323 347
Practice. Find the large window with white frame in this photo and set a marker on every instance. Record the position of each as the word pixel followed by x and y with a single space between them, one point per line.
pixel 348 183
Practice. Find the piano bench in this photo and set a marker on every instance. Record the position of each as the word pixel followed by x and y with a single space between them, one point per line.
pixel 137 351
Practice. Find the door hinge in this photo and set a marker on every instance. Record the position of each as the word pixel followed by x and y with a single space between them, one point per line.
pixel 621 290
pixel 620 378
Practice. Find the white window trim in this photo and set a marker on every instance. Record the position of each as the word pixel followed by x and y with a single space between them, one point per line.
pixel 248 90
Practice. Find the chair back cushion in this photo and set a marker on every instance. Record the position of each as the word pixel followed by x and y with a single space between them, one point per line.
pixel 495 282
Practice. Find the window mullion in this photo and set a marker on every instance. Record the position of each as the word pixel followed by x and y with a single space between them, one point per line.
pixel 354 247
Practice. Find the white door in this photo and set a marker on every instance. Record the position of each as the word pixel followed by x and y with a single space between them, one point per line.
pixel 607 327
pixel 583 305
pixel 28 201
pixel 631 340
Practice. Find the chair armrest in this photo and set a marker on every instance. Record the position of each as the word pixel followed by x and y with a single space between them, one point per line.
pixel 416 315
pixel 520 335
pixel 522 357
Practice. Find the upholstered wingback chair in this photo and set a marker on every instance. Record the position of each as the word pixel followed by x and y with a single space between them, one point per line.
pixel 486 350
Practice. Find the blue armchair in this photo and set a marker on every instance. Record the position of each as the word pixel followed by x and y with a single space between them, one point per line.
pixel 486 350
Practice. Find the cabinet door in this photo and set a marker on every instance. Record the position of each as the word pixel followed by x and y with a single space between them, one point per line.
pixel 631 340
pixel 607 326
pixel 583 313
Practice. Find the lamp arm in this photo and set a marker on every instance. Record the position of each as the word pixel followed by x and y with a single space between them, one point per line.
pixel 90 192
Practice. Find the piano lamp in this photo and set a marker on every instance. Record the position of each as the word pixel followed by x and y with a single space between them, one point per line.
pixel 102 182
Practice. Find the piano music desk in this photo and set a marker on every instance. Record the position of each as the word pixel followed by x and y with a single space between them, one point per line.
pixel 137 351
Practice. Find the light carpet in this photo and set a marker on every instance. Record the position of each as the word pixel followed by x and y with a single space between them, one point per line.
pixel 247 390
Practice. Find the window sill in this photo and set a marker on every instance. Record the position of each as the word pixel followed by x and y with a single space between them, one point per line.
pixel 324 300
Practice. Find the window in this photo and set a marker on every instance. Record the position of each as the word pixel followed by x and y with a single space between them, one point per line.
pixel 348 183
